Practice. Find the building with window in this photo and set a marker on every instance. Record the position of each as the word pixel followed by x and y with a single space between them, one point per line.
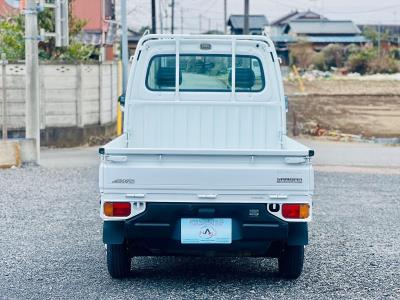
pixel 297 15
pixel 314 28
pixel 101 26
pixel 323 32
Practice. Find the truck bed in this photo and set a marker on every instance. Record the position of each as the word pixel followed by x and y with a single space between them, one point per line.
pixel 289 147
pixel 182 175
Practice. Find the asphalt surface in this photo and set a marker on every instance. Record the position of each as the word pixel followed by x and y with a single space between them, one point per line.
pixel 51 245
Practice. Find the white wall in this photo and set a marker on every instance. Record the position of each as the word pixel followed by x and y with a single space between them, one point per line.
pixel 71 95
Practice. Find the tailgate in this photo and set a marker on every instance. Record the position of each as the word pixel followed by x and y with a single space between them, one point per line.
pixel 150 173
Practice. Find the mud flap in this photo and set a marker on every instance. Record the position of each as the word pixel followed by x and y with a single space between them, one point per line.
pixel 113 232
pixel 298 234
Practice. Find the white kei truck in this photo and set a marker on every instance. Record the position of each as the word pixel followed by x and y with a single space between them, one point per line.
pixel 204 166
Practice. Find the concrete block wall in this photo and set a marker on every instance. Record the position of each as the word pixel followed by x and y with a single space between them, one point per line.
pixel 73 95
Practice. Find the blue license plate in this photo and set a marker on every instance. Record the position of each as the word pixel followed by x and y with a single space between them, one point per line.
pixel 206 231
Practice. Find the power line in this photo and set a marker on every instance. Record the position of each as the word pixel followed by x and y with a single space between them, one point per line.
pixel 365 11
pixel 211 6
pixel 153 16
pixel 172 15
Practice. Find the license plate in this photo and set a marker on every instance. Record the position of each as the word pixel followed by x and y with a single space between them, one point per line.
pixel 206 231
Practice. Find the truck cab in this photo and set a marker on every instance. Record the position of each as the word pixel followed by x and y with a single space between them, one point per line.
pixel 204 166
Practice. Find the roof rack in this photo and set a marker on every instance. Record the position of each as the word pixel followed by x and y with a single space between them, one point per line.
pixel 261 38
pixel 146 32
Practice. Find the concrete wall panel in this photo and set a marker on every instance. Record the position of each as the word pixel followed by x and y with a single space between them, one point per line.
pixel 71 95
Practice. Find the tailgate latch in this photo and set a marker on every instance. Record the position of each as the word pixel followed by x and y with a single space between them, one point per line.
pixel 207 196
pixel 295 160
pixel 116 158
pixel 278 196
pixel 135 196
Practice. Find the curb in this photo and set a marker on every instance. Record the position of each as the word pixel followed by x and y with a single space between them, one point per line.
pixel 10 154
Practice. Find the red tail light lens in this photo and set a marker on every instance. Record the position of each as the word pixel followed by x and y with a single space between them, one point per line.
pixel 117 209
pixel 295 211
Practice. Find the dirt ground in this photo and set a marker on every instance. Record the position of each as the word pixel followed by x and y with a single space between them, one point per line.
pixel 346 86
pixel 370 108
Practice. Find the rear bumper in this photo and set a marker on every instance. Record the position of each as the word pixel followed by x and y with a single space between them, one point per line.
pixel 157 230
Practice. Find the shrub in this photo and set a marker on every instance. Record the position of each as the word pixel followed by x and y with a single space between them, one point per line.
pixel 395 53
pixel 77 51
pixel 358 61
pixel 319 62
pixel 333 55
pixel 383 64
pixel 301 54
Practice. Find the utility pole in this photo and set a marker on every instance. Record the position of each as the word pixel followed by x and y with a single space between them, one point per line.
pixel 153 17
pixel 225 9
pixel 61 22
pixel 246 17
pixel 379 40
pixel 4 68
pixel 124 46
pixel 32 114
pixel 166 18
pixel 200 17
pixel 181 20
pixel 172 15
pixel 160 17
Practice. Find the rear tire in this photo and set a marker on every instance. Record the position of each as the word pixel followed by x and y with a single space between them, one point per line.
pixel 118 261
pixel 291 262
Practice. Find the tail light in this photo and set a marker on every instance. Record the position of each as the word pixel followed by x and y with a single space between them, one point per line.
pixel 295 211
pixel 117 209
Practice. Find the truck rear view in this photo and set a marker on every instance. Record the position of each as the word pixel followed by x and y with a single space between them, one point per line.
pixel 204 166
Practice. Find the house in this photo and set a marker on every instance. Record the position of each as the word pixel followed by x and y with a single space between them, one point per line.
pixel 297 15
pixel 277 26
pixel 133 40
pixel 9 8
pixel 101 28
pixel 319 31
pixel 323 32
pixel 257 24
pixel 282 40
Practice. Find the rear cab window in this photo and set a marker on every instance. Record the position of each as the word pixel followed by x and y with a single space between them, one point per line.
pixel 205 73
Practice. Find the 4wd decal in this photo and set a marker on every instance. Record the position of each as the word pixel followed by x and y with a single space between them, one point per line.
pixel 289 180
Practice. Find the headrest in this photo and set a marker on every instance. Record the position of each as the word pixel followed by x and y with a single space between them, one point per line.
pixel 166 77
pixel 245 78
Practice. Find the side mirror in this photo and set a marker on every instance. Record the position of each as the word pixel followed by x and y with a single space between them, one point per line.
pixel 121 100
pixel 287 103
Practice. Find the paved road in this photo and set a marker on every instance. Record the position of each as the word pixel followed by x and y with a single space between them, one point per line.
pixel 356 155
pixel 51 242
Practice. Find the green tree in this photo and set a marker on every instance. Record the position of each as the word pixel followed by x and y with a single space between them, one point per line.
pixel 12 43
pixel 373 35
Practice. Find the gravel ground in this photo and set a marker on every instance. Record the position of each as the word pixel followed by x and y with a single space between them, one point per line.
pixel 51 246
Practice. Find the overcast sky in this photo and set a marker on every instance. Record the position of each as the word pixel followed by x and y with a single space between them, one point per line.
pixel 211 11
